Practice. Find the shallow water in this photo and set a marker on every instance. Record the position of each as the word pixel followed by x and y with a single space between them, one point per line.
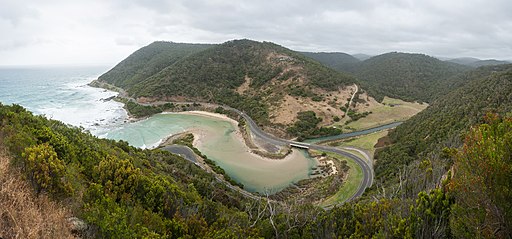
pixel 63 94
pixel 219 143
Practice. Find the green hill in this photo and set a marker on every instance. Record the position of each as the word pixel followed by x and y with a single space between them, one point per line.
pixel 248 75
pixel 475 62
pixel 488 89
pixel 123 192
pixel 488 63
pixel 410 77
pixel 149 60
pixel 336 60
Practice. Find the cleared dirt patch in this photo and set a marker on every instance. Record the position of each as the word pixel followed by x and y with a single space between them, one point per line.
pixel 285 112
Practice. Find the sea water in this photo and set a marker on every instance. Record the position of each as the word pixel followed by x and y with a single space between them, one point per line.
pixel 63 94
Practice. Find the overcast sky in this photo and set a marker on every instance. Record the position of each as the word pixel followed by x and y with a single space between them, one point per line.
pixel 41 32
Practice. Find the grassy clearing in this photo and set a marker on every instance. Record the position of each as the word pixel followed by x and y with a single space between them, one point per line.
pixel 365 142
pixel 350 186
pixel 391 110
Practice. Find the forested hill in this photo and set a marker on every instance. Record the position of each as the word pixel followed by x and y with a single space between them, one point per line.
pixel 336 60
pixel 488 89
pixel 149 60
pixel 118 191
pixel 245 74
pixel 474 62
pixel 407 76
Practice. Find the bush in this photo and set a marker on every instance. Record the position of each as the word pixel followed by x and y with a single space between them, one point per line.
pixel 45 170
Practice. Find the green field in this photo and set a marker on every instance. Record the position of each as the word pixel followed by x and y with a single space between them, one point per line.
pixel 391 110
pixel 350 186
pixel 365 142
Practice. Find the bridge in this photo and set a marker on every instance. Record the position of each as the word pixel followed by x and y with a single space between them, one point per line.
pixel 297 145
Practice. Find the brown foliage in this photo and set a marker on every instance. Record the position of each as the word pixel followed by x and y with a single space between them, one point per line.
pixel 23 213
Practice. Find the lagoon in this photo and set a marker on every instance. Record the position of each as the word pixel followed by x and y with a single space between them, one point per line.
pixel 219 139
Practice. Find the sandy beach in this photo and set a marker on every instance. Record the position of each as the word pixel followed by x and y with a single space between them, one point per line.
pixel 200 136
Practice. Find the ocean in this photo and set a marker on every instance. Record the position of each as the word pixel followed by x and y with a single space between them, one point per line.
pixel 62 93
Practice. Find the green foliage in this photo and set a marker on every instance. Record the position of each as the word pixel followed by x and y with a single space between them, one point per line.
pixel 482 181
pixel 149 60
pixel 306 127
pixel 431 214
pixel 119 177
pixel 45 170
pixel 410 77
pixel 354 116
pixel 336 60
pixel 443 123
pixel 212 74
pixel 122 191
pixel 138 110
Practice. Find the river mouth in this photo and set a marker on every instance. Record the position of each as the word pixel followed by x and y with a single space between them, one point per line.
pixel 220 140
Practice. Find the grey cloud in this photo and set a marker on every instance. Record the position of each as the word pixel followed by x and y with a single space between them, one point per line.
pixel 437 27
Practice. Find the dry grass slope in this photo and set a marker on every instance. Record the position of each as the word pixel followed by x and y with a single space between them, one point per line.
pixel 23 214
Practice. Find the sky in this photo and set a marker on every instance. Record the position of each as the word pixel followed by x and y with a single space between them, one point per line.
pixel 103 32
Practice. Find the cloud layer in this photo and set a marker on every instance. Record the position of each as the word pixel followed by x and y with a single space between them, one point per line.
pixel 105 32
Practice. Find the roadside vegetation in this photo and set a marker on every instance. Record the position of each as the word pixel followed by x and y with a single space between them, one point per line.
pixel 350 184
pixel 121 191
pixel 187 140
pixel 306 127
pixel 366 142
pixel 444 122
pixel 389 111
pixel 214 73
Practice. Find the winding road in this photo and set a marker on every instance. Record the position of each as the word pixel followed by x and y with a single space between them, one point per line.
pixel 366 167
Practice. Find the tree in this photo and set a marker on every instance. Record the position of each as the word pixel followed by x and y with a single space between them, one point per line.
pixel 482 181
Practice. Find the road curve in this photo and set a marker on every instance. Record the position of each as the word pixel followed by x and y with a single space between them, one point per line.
pixel 367 169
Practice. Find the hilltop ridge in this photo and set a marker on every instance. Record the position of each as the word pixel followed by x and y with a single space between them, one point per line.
pixel 260 78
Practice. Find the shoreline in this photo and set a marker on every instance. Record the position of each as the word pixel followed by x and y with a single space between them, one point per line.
pixel 200 135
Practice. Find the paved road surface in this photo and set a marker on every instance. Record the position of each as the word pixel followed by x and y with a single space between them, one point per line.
pixel 183 151
pixel 367 169
pixel 366 166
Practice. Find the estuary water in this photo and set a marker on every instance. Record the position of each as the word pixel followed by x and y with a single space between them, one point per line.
pixel 220 141
pixel 62 94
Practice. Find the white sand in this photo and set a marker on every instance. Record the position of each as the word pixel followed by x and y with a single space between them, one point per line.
pixel 201 135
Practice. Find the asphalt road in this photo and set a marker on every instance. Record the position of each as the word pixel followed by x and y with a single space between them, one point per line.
pixel 366 168
pixel 183 151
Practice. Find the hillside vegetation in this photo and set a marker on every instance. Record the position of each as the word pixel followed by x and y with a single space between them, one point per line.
pixel 336 60
pixel 147 61
pixel 474 62
pixel 256 77
pixel 25 214
pixel 410 77
pixel 121 191
pixel 488 89
pixel 124 192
